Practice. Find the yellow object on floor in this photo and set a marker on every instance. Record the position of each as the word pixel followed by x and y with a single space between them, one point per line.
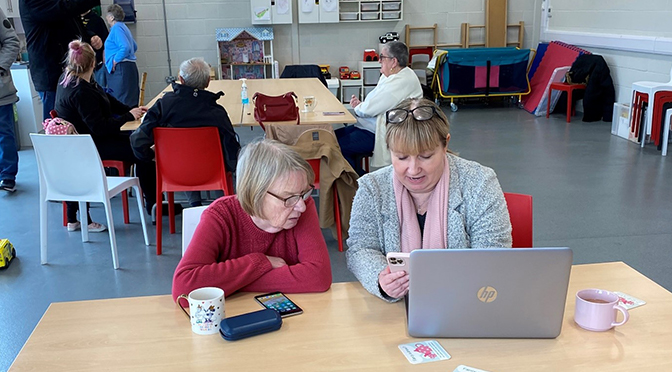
pixel 7 253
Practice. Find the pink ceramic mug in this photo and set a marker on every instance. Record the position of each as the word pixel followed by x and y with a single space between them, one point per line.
pixel 596 310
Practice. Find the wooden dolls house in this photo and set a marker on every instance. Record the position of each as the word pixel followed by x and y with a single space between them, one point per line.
pixel 245 52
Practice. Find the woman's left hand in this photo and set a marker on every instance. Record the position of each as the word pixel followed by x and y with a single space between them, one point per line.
pixel 96 42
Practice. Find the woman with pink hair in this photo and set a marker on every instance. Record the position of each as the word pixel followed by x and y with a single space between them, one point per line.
pixel 81 101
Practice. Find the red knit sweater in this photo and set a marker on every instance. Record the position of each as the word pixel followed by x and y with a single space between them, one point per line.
pixel 229 251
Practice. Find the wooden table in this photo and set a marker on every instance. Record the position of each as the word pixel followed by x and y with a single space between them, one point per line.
pixel 343 329
pixel 326 101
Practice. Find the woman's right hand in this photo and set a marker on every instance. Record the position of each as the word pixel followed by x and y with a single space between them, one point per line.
pixel 395 284
pixel 137 112
pixel 276 262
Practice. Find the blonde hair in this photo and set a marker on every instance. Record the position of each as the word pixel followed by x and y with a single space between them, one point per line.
pixel 79 60
pixel 413 136
pixel 260 163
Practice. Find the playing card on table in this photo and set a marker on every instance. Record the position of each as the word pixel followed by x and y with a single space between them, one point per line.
pixel 628 301
pixel 463 368
pixel 424 352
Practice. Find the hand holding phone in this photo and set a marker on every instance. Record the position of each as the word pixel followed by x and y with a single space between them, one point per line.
pixel 279 302
pixel 398 261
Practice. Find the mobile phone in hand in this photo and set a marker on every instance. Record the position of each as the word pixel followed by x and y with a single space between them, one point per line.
pixel 399 261
pixel 279 302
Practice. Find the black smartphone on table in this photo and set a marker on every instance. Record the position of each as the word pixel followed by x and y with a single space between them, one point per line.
pixel 279 302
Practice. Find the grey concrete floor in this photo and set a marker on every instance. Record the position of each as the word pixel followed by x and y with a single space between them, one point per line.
pixel 602 196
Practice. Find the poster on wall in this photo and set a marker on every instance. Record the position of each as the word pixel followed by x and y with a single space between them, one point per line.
pixel 330 5
pixel 262 13
pixel 282 6
pixel 307 6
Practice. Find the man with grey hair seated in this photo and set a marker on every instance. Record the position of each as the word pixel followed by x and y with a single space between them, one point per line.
pixel 189 105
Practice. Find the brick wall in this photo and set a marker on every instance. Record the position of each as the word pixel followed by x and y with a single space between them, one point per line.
pixel 191 25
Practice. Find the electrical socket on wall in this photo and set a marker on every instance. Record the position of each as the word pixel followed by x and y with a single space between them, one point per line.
pixel 170 79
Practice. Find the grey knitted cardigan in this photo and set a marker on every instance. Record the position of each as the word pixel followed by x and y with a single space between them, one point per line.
pixel 477 218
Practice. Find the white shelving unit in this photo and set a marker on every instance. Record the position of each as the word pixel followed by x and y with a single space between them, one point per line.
pixel 371 10
pixel 370 74
pixel 350 87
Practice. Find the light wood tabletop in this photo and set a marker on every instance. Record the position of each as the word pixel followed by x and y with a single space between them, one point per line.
pixel 342 329
pixel 326 101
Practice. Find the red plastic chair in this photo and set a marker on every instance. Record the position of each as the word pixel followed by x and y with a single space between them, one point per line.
pixel 187 159
pixel 315 164
pixel 520 212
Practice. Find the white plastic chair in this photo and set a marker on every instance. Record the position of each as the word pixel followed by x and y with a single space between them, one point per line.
pixel 70 169
pixel 419 66
pixel 190 219
pixel 650 88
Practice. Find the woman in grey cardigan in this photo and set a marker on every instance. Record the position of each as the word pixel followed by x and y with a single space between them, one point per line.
pixel 428 198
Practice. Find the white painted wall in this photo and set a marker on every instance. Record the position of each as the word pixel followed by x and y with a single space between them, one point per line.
pixel 620 18
pixel 650 17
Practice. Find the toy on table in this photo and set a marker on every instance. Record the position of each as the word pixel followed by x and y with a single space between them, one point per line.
pixel 370 55
pixel 7 253
pixel 390 36
pixel 355 75
pixel 325 71
pixel 344 72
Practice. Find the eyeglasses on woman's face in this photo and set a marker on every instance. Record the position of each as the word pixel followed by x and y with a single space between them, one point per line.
pixel 420 113
pixel 292 200
pixel 383 57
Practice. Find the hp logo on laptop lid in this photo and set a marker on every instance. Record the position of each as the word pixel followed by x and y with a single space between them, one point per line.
pixel 487 294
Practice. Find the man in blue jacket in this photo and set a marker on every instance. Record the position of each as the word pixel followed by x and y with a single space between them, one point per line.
pixel 189 105
pixel 9 157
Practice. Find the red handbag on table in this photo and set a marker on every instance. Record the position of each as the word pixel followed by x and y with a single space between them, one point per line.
pixel 275 108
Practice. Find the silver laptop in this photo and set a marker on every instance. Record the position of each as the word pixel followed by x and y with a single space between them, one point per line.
pixel 488 293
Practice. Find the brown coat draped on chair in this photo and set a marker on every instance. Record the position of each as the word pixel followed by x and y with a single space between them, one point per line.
pixel 319 141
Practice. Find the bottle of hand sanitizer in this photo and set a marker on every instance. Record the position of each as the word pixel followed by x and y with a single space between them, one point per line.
pixel 243 93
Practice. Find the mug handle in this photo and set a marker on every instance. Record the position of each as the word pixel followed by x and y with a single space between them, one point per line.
pixel 183 296
pixel 625 313
pixel 315 103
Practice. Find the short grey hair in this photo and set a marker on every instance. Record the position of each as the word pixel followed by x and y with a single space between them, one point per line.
pixel 195 72
pixel 117 12
pixel 398 50
pixel 259 165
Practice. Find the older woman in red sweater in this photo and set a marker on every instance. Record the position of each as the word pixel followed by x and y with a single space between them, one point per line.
pixel 265 238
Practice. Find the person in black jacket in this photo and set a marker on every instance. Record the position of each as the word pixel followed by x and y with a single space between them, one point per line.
pixel 81 101
pixel 189 105
pixel 50 25
pixel 95 26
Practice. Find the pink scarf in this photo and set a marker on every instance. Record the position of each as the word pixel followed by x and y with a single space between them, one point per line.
pixel 436 221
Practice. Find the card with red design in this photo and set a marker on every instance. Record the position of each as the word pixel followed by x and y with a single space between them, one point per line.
pixel 424 352
pixel 628 301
